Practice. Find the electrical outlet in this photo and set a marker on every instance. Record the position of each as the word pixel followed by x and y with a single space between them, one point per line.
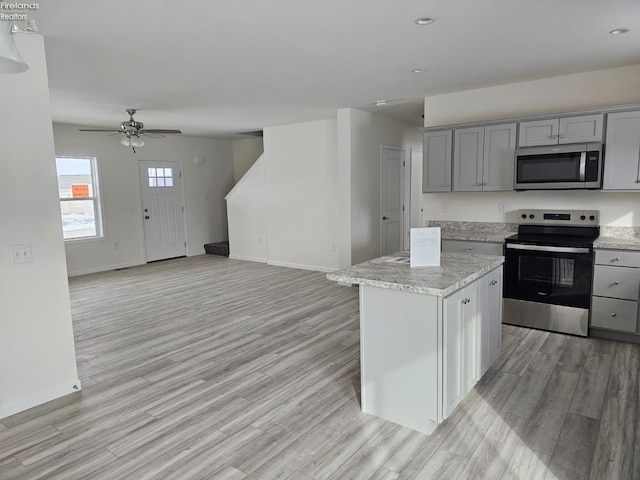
pixel 503 208
pixel 444 207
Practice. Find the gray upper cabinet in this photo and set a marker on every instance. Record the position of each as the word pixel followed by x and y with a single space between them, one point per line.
pixel 436 161
pixel 553 131
pixel 484 158
pixel 622 157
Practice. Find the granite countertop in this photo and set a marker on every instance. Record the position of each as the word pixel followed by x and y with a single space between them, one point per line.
pixel 475 231
pixel 621 238
pixel 455 271
pixel 618 243
pixel 475 235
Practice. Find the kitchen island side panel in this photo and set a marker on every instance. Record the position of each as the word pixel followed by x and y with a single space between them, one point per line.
pixel 399 354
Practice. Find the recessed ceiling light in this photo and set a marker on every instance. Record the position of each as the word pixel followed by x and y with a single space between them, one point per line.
pixel 381 103
pixel 619 31
pixel 425 20
pixel 419 70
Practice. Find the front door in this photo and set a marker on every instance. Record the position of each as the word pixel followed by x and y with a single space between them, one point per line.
pixel 162 209
pixel 391 199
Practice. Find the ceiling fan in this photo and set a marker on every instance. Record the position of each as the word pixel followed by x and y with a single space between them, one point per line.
pixel 133 131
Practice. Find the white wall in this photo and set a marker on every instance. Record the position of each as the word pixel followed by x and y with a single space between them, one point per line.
pixel 301 179
pixel 37 354
pixel 616 86
pixel 205 186
pixel 247 214
pixel 322 188
pixel 245 153
pixel 367 132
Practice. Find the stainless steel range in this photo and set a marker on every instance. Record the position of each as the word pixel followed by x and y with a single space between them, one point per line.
pixel 548 270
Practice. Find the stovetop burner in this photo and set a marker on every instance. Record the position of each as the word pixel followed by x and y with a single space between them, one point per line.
pixel 566 228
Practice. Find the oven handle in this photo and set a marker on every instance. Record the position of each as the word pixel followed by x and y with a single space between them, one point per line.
pixel 545 248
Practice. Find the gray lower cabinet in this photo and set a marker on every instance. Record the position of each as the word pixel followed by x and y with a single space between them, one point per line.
pixel 554 131
pixel 616 291
pixel 421 354
pixel 490 336
pixel 472 332
pixel 483 158
pixel 436 161
pixel 466 246
pixel 622 157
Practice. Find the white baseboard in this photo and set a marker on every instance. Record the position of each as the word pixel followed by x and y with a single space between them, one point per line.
pixel 105 268
pixel 39 398
pixel 300 266
pixel 248 259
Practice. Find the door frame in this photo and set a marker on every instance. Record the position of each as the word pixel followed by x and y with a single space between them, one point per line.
pixel 405 192
pixel 141 207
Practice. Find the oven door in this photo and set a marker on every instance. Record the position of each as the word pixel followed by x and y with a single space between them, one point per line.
pixel 548 274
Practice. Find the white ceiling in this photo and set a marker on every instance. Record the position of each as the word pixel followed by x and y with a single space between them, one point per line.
pixel 215 68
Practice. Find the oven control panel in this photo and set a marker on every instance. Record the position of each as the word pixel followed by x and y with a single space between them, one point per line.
pixel 587 218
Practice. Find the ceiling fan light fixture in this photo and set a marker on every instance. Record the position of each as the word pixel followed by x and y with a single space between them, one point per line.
pixel 425 20
pixel 619 31
pixel 126 141
pixel 10 59
pixel 137 142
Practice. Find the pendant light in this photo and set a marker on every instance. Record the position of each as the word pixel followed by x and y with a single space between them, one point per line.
pixel 10 59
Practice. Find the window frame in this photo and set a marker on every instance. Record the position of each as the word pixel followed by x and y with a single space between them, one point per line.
pixel 96 198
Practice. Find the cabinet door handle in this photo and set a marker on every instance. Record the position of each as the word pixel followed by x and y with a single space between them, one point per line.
pixel 494 282
pixel 561 135
pixel 614 283
pixel 613 314
pixel 617 259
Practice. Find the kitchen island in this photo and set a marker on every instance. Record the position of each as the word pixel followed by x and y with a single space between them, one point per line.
pixel 427 334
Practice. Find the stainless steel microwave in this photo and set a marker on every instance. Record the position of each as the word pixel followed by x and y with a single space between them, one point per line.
pixel 559 167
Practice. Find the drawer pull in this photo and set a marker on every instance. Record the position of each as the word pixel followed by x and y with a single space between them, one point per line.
pixel 617 259
pixel 613 314
pixel 494 282
pixel 615 283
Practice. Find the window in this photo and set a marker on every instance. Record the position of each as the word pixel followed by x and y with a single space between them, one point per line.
pixel 79 197
pixel 160 177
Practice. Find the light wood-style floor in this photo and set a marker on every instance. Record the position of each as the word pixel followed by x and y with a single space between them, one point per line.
pixel 210 368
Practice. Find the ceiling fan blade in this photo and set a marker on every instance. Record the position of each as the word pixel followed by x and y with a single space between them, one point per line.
pixel 92 130
pixel 156 130
pixel 146 133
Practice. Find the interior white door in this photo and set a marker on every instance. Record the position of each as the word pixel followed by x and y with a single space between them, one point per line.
pixel 391 199
pixel 162 209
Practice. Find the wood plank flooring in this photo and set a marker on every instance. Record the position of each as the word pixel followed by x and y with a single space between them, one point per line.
pixel 210 368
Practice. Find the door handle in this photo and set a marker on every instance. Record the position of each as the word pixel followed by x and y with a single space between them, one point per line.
pixel 386 218
pixel 146 217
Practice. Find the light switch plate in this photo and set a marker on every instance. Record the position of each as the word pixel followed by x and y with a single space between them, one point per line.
pixel 20 253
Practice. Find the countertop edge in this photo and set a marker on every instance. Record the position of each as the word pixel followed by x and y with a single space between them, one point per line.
pixel 438 292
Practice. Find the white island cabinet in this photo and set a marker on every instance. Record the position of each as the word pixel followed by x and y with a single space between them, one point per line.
pixel 427 334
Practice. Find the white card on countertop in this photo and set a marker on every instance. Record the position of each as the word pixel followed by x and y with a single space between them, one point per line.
pixel 425 247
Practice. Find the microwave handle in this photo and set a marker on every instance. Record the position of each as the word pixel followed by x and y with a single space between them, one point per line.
pixel 583 165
